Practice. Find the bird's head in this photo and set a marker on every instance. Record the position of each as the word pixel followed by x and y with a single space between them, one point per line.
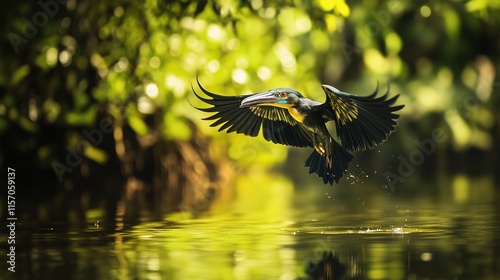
pixel 278 97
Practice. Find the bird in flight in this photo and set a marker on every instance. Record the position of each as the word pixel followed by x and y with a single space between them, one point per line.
pixel 286 117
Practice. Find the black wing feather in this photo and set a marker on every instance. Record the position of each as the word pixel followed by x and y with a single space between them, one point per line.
pixel 361 121
pixel 277 124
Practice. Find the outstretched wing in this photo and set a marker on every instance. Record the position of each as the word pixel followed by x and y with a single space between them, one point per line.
pixel 277 124
pixel 361 121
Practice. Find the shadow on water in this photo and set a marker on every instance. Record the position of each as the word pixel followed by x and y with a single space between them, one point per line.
pixel 360 231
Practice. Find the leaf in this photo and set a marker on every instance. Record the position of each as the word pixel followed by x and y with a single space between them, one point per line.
pixel 96 154
pixel 80 118
pixel 138 125
pixel 20 74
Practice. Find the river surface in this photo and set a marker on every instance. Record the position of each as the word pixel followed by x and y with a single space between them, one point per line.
pixel 448 229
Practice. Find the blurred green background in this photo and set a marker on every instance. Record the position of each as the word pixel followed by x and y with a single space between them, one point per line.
pixel 96 119
pixel 95 106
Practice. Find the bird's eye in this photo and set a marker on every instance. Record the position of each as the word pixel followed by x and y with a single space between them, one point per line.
pixel 283 94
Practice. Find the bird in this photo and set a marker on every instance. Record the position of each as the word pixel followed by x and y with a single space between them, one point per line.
pixel 286 117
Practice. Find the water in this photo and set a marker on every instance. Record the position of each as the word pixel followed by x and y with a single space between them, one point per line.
pixel 445 231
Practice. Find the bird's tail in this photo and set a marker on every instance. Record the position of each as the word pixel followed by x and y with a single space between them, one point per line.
pixel 330 171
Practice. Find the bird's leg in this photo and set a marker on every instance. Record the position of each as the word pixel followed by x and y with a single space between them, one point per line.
pixel 324 148
pixel 320 148
pixel 329 153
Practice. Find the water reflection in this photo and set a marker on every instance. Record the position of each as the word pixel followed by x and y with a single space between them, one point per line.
pixel 328 267
pixel 363 232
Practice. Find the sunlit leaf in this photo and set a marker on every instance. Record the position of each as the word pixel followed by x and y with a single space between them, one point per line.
pixel 174 127
pixel 51 110
pixel 81 118
pixel 27 125
pixel 95 154
pixel 342 8
pixel 138 125
pixel 452 22
pixel 20 74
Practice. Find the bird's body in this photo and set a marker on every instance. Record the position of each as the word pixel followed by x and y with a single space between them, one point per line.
pixel 286 117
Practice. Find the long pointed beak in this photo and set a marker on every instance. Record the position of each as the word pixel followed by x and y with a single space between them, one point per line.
pixel 265 98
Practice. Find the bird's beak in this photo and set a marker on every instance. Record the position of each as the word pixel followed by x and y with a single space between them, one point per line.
pixel 265 98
